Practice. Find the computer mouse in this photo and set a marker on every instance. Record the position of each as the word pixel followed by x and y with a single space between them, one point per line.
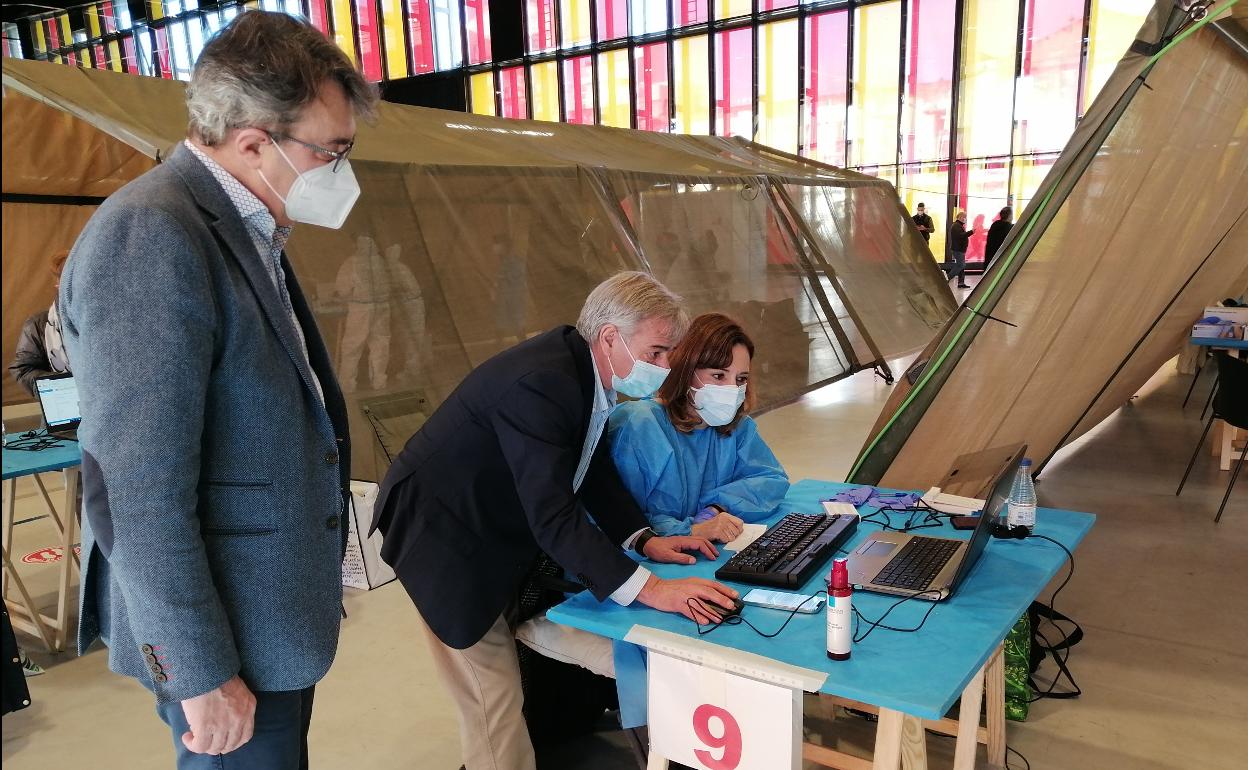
pixel 724 614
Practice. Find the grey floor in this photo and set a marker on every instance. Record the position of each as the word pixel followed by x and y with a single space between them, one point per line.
pixel 1159 590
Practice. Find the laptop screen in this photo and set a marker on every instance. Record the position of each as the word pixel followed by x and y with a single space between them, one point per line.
pixel 994 507
pixel 59 398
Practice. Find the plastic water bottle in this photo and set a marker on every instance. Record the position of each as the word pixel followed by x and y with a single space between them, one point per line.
pixel 1021 508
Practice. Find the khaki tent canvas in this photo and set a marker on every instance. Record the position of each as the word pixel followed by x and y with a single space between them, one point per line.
pixel 474 232
pixel 1142 223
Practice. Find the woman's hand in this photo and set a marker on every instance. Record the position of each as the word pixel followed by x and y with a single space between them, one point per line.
pixel 724 528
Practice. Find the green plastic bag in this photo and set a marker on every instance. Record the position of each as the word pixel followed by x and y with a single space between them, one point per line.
pixel 1017 670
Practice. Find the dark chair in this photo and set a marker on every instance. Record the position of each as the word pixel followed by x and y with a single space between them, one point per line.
pixel 1231 406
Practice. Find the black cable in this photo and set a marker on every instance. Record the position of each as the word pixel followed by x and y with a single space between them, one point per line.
pixel 36 441
pixel 858 616
pixel 1020 756
pixel 1060 659
pixel 737 619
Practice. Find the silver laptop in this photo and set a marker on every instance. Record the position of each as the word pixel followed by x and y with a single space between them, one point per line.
pixel 929 567
pixel 58 398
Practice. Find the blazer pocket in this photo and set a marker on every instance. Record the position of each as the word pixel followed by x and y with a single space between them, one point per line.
pixel 237 508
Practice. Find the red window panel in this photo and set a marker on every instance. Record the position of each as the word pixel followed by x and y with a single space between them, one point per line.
pixel 131 59
pixel 929 80
pixel 318 15
pixel 651 81
pixel 369 39
pixel 688 12
pixel 109 16
pixel 827 43
pixel 578 90
pixel 99 57
pixel 420 35
pixel 515 97
pixel 540 15
pixel 612 19
pixel 734 86
pixel 162 54
pixel 1048 90
pixel 775 5
pixel 477 21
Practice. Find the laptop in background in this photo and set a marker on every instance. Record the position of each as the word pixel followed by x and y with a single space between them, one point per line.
pixel 932 567
pixel 58 398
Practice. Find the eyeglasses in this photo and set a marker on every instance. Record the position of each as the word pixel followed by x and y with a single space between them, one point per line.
pixel 337 157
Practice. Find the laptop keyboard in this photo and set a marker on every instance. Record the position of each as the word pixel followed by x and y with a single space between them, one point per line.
pixel 917 563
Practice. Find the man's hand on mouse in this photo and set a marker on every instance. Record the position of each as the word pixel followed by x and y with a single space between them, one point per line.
pixel 675 596
pixel 678 549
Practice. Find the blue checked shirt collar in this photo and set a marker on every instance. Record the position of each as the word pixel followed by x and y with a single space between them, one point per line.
pixel 261 226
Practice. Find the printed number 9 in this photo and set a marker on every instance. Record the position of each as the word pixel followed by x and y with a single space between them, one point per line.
pixel 730 741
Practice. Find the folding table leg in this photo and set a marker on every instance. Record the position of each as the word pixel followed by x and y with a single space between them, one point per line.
pixel 64 594
pixel 994 684
pixel 968 722
pixel 29 618
pixel 10 509
pixel 656 762
pixel 47 501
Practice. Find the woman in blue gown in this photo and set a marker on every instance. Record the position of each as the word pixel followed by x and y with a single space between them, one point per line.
pixel 692 456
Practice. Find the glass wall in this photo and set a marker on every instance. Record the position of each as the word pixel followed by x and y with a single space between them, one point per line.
pixel 959 116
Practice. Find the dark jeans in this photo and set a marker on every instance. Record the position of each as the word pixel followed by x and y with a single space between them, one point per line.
pixel 956 266
pixel 280 741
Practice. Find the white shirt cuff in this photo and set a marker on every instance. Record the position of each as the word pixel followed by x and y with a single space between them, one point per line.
pixel 632 539
pixel 627 593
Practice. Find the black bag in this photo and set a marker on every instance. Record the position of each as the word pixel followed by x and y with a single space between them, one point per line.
pixel 1059 650
pixel 15 694
pixel 561 700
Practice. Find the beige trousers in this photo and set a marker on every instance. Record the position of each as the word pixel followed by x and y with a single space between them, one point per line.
pixel 484 682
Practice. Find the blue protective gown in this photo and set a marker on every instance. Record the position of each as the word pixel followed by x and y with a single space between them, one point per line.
pixel 673 475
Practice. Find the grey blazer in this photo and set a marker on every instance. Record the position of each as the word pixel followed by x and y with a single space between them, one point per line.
pixel 214 478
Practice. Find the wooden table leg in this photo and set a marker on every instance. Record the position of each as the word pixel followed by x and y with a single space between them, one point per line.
pixel 655 762
pixel 913 744
pixel 888 730
pixel 64 596
pixel 994 676
pixel 10 509
pixel 968 723
pixel 47 502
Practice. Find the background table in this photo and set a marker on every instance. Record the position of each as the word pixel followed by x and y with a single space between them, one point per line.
pixel 64 456
pixel 918 675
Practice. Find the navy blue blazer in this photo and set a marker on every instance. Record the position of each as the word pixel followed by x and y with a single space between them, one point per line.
pixel 486 485
pixel 214 477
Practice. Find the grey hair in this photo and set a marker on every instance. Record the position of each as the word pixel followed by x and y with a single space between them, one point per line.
pixel 261 70
pixel 625 300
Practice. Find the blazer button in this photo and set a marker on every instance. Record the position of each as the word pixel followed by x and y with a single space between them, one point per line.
pixel 161 678
pixel 155 668
pixel 332 522
pixel 331 458
pixel 151 660
pixel 147 649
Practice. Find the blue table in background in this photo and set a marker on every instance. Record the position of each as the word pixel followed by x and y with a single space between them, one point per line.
pixel 911 678
pixel 1217 342
pixel 63 456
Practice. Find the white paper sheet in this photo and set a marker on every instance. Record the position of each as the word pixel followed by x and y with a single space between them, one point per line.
pixel 749 533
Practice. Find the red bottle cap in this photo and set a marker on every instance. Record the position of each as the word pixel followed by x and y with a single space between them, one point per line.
pixel 840 574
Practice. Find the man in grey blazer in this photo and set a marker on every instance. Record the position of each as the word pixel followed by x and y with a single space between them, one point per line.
pixel 216 464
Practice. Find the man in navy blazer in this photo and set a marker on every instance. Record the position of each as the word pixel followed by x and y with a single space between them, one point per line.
pixel 514 463
pixel 216 464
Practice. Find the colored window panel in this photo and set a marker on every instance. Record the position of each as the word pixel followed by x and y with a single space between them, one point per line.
pixel 12 41
pixel 731 9
pixel 612 19
pixel 1026 178
pixel 114 57
pixel 777 85
pixel 420 36
pixel 691 86
pixel 578 90
pixel 688 12
pixel 925 125
pixel 1112 25
pixel 481 90
pixel 873 106
pixel 369 40
pixel 650 77
pixel 447 45
pixel 179 50
pixel 545 80
pixel 92 15
pixel 477 23
pixel 980 189
pixel 734 83
pixel 131 55
pixel 514 95
pixel 395 45
pixel 614 101
pixel 827 55
pixel 989 38
pixel 540 16
pixel 99 57
pixel 344 30
pixel 574 19
pixel 927 183
pixel 1047 92
pixel 318 14
pixel 775 5
pixel 155 10
pixel 647 16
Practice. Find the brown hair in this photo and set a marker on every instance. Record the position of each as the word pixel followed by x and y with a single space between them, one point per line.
pixel 58 263
pixel 707 345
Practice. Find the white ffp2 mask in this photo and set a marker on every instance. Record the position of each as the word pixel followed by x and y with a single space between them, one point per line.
pixel 320 196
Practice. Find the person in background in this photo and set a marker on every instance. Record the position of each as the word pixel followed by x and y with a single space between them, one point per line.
pixel 40 348
pixel 959 241
pixel 996 235
pixel 509 468
pixel 923 222
pixel 216 459
pixel 692 457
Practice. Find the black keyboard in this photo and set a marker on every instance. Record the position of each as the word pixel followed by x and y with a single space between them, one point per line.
pixel 790 551
pixel 917 563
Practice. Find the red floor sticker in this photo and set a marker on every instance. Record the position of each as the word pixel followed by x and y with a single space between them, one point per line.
pixel 49 555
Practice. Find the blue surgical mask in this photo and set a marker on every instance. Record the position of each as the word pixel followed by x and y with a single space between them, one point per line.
pixel 642 382
pixel 717 405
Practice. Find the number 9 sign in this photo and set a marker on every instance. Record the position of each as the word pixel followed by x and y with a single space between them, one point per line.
pixel 713 720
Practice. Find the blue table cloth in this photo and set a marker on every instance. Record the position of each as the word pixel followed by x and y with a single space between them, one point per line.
pixel 920 673
pixel 65 454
